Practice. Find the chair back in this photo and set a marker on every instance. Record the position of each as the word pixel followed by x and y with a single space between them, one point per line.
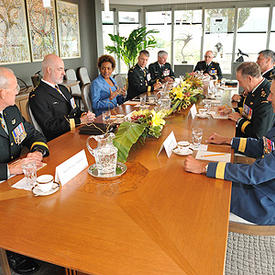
pixel 33 120
pixel 71 75
pixel 121 80
pixel 84 76
pixel 86 97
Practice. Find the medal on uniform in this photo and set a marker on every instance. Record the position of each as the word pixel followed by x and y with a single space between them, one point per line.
pixel 268 146
pixel 166 72
pixel 247 112
pixel 19 133
pixel 213 71
pixel 72 103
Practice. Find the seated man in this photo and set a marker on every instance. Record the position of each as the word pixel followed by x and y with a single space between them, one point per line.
pixel 139 81
pixel 15 133
pixel 254 115
pixel 266 61
pixel 52 105
pixel 253 186
pixel 209 67
pixel 161 70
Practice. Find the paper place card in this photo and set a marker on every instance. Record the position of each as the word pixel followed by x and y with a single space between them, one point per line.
pixel 169 144
pixel 193 111
pixel 71 167
pixel 213 156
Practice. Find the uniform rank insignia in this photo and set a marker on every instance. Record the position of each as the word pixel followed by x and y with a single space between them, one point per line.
pixel 263 94
pixel 13 121
pixel 247 112
pixel 268 145
pixel 72 103
pixel 19 133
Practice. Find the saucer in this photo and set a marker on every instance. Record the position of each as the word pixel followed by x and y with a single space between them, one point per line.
pixel 37 192
pixel 182 152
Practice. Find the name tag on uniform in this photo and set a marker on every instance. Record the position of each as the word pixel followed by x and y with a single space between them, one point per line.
pixel 148 77
pixel 166 72
pixel 72 103
pixel 247 112
pixel 268 145
pixel 19 133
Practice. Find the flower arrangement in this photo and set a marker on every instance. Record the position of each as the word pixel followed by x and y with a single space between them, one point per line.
pixel 186 92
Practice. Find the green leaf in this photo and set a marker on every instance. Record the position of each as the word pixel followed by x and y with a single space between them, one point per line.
pixel 128 133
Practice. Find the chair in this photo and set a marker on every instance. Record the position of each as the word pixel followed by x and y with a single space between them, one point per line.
pixel 121 80
pixel 85 90
pixel 33 120
pixel 84 76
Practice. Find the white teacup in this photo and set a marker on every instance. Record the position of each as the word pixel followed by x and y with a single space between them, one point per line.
pixel 202 112
pixel 45 182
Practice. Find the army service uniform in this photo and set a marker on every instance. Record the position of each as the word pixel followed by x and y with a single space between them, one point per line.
pixel 139 82
pixel 253 186
pixel 213 69
pixel 158 72
pixel 54 109
pixel 20 133
pixel 257 113
pixel 269 73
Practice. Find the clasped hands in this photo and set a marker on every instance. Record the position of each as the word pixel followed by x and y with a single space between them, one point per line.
pixel 87 118
pixel 117 92
pixel 199 167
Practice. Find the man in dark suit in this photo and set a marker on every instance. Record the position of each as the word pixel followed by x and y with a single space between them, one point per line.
pixel 266 61
pixel 161 70
pixel 209 67
pixel 139 80
pixel 51 103
pixel 15 133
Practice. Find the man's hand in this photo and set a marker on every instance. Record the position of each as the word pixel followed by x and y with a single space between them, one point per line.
pixel 219 139
pixel 37 156
pixel 235 116
pixel 194 166
pixel 236 98
pixel 168 79
pixel 87 118
pixel 157 85
pixel 222 110
pixel 15 168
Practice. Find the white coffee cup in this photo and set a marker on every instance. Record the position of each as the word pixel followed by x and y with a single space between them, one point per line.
pixel 45 182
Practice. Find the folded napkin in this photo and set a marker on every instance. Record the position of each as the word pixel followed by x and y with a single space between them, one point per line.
pixel 92 130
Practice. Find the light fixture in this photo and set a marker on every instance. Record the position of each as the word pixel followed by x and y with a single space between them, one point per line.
pixel 47 3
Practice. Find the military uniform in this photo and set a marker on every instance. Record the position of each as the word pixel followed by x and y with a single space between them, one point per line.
pixel 55 113
pixel 20 133
pixel 253 186
pixel 158 72
pixel 213 69
pixel 257 113
pixel 138 82
pixel 269 73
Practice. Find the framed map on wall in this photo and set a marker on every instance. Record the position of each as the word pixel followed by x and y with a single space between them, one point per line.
pixel 14 42
pixel 68 29
pixel 42 29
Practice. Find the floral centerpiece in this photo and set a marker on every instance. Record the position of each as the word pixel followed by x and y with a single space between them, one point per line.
pixel 140 125
pixel 186 92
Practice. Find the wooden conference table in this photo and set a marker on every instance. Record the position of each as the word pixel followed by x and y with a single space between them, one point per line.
pixel 170 221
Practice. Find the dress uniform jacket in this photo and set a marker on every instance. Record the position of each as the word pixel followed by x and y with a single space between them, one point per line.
pixel 159 73
pixel 100 91
pixel 54 113
pixel 10 148
pixel 257 113
pixel 253 186
pixel 269 73
pixel 213 69
pixel 138 82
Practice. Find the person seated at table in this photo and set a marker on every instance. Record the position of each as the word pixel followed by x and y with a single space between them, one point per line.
pixel 139 81
pixel 253 186
pixel 105 93
pixel 52 104
pixel 208 66
pixel 161 70
pixel 266 61
pixel 253 114
pixel 15 133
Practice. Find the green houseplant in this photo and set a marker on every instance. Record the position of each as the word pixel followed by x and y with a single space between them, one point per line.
pixel 128 48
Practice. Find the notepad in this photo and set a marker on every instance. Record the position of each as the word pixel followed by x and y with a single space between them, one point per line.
pixel 213 156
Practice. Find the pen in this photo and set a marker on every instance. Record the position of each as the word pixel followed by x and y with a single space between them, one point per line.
pixel 213 155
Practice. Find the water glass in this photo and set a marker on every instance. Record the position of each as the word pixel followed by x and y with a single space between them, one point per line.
pixel 29 170
pixel 196 137
pixel 142 100
pixel 106 116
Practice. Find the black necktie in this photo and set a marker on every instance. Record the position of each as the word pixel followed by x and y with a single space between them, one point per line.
pixel 57 88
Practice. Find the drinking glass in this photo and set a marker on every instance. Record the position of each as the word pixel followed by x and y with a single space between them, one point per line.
pixel 142 100
pixel 106 116
pixel 29 170
pixel 196 137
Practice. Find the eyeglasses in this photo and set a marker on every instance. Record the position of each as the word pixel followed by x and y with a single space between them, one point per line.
pixel 207 56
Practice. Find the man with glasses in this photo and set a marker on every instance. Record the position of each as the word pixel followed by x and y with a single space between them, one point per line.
pixel 52 105
pixel 208 66
pixel 15 133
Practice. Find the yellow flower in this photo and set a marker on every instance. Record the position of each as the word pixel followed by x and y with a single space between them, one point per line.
pixel 157 119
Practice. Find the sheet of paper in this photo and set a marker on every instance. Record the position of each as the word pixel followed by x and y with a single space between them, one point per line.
pixel 213 156
pixel 71 167
pixel 169 144
pixel 21 184
pixel 203 147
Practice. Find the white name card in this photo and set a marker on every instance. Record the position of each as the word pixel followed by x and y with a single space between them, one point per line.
pixel 169 144
pixel 193 111
pixel 71 167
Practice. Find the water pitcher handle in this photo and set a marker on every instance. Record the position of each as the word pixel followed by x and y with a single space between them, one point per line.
pixel 90 149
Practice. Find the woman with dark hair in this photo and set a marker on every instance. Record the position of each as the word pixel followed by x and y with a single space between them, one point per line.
pixel 105 94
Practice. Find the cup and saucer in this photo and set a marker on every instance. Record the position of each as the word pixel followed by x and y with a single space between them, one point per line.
pixel 45 185
pixel 182 148
pixel 203 113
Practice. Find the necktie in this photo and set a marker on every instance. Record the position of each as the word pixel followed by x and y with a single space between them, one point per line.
pixel 57 88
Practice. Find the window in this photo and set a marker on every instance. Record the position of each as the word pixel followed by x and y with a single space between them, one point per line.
pixel 272 33
pixel 187 36
pixel 252 31
pixel 107 27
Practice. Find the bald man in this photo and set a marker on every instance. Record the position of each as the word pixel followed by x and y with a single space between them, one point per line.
pixel 52 105
pixel 208 66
